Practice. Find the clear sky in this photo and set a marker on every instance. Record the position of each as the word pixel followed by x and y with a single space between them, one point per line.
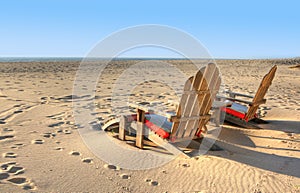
pixel 228 29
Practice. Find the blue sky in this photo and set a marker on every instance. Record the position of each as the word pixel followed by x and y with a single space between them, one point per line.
pixel 228 29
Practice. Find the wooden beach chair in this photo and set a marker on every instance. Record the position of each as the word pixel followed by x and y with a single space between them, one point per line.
pixel 243 112
pixel 165 129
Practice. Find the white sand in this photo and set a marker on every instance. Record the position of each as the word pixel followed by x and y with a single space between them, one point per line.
pixel 42 151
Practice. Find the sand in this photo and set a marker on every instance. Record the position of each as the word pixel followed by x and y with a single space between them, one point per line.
pixel 42 150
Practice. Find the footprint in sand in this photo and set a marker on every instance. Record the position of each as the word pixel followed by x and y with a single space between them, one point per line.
pixel 18 180
pixel 66 131
pixel 4 166
pixel 11 167
pixel 2 137
pixel 7 130
pixel 48 135
pixel 75 153
pixel 18 111
pixel 87 160
pixel 186 165
pixel 44 99
pixel 59 148
pixel 152 182
pixel 37 141
pixel 16 170
pixel 56 124
pixel 9 155
pixel 29 186
pixel 125 176
pixel 17 146
pixel 3 175
pixel 110 166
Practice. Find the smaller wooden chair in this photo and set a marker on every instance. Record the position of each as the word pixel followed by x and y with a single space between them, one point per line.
pixel 243 112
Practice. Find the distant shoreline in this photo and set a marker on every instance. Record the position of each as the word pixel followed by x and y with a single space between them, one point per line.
pixel 62 59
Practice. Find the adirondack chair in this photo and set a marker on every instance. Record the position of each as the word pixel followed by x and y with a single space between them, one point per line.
pixel 243 112
pixel 191 117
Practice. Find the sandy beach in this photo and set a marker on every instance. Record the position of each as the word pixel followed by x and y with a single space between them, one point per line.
pixel 42 150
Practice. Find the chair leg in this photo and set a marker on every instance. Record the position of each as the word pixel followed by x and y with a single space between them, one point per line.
pixel 139 135
pixel 140 128
pixel 217 116
pixel 122 128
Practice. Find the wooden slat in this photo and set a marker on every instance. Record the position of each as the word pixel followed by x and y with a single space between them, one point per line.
pixel 236 100
pixel 141 107
pixel 164 144
pixel 261 92
pixel 109 123
pixel 139 134
pixel 160 141
pixel 198 104
pixel 201 87
pixel 122 128
pixel 210 78
pixel 189 106
pixel 181 107
pixel 241 122
pixel 213 80
pixel 140 128
pixel 234 94
pixel 214 84
pixel 195 92
pixel 192 118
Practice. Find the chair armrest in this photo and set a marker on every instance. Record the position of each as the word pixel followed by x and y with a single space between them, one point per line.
pixel 169 115
pixel 141 106
pixel 234 94
pixel 234 99
pixel 219 104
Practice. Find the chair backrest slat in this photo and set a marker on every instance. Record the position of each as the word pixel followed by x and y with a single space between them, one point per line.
pixel 181 106
pixel 261 92
pixel 199 93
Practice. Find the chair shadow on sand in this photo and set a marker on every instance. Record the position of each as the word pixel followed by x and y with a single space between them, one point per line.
pixel 287 126
pixel 236 142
